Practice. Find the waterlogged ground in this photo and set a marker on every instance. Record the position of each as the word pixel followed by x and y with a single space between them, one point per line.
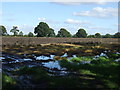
pixel 61 66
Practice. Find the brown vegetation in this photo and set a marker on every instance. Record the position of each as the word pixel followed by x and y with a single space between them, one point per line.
pixel 51 40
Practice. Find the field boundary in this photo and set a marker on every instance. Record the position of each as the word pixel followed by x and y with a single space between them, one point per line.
pixel 52 40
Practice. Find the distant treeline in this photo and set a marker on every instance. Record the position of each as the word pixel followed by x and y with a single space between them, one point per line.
pixel 43 30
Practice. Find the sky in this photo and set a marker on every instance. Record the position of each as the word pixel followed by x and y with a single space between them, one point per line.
pixel 94 17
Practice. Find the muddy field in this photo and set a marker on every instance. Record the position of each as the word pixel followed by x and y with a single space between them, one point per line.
pixel 37 63
pixel 60 66
pixel 46 40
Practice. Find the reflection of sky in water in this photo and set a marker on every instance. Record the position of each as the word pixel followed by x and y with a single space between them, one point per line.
pixel 52 64
pixel 0 70
pixel 16 59
pixel 44 57
pixel 2 58
pixel 103 54
pixel 65 55
pixel 73 56
pixel 117 60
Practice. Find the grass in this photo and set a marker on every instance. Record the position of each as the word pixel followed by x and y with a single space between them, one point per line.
pixel 39 75
pixel 88 72
pixel 106 69
pixel 80 59
pixel 101 72
pixel 8 83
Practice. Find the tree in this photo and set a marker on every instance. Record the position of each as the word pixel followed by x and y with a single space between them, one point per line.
pixel 51 33
pixel 63 33
pixel 81 33
pixel 21 33
pixel 98 35
pixel 42 30
pixel 3 31
pixel 14 30
pixel 91 36
pixel 74 36
pixel 30 34
pixel 117 35
pixel 107 36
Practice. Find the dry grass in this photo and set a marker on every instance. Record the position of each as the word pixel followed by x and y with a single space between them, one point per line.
pixel 53 40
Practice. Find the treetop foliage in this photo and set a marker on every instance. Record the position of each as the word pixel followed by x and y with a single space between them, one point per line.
pixel 81 33
pixel 43 30
pixel 63 33
pixel 3 30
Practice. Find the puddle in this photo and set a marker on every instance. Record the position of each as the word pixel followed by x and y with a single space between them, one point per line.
pixel 74 56
pixel 0 70
pixel 58 73
pixel 117 60
pixel 65 55
pixel 1 58
pixel 117 52
pixel 84 62
pixel 45 57
pixel 53 65
pixel 103 54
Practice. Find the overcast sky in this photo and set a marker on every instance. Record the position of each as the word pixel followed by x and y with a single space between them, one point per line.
pixel 93 17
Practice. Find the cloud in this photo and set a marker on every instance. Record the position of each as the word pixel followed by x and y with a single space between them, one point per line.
pixel 60 0
pixel 11 19
pixel 98 28
pixel 102 30
pixel 48 20
pixel 99 12
pixel 80 3
pixel 72 21
pixel 67 3
pixel 84 1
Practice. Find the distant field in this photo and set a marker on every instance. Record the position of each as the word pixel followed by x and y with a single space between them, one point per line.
pixel 46 40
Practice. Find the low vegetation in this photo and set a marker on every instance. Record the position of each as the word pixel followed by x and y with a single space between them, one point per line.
pixel 88 69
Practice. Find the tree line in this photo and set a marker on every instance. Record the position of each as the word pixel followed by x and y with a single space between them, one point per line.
pixel 43 30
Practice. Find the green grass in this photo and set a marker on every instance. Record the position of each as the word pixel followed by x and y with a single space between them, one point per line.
pixel 105 69
pixel 102 69
pixel 8 83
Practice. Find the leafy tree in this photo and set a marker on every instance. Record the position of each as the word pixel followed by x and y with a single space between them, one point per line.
pixel 30 34
pixel 117 35
pixel 91 36
pixel 3 30
pixel 74 36
pixel 51 33
pixel 21 33
pixel 42 30
pixel 14 30
pixel 107 36
pixel 63 33
pixel 98 35
pixel 81 33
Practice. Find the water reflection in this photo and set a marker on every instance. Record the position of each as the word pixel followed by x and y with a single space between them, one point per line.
pixel 50 63
pixel 117 60
pixel 53 65
pixel 65 55
pixel 45 57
